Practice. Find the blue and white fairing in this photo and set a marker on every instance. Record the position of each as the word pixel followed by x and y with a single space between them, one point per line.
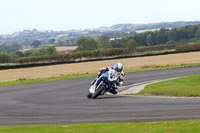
pixel 108 79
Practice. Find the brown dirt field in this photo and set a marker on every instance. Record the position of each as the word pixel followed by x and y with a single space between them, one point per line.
pixel 93 67
pixel 66 48
pixel 62 48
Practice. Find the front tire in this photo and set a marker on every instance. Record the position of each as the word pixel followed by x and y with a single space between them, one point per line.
pixel 99 91
pixel 89 95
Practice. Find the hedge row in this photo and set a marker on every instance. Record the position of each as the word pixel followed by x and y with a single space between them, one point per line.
pixel 50 58
pixel 6 58
pixel 187 47
pixel 73 56
pixel 155 48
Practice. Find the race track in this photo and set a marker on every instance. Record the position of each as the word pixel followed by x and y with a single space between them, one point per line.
pixel 65 102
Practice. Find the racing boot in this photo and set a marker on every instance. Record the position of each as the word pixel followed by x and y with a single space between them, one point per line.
pixel 114 92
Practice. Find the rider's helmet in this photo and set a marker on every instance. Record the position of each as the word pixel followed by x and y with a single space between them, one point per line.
pixel 118 67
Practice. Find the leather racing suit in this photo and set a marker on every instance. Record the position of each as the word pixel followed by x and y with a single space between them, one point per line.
pixel 119 80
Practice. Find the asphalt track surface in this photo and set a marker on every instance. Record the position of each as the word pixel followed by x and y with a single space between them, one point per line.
pixel 65 102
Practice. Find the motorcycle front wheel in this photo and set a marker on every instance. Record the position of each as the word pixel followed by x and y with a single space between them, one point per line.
pixel 99 91
pixel 89 95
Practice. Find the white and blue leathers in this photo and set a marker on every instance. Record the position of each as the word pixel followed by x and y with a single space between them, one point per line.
pixel 117 76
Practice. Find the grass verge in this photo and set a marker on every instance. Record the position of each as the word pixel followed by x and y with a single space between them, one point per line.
pixel 143 69
pixel 155 67
pixel 30 81
pixel 158 127
pixel 181 87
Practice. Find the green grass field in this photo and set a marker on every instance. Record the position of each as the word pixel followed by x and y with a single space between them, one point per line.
pixel 145 68
pixel 158 127
pixel 181 87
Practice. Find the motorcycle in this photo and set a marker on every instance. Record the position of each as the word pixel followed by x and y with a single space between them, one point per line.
pixel 103 84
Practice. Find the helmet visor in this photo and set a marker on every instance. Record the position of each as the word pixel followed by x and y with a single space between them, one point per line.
pixel 118 70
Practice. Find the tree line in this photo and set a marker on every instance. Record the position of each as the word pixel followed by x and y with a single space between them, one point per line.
pixel 167 36
pixel 89 47
pixel 149 38
pixel 13 57
pixel 51 55
pixel 10 48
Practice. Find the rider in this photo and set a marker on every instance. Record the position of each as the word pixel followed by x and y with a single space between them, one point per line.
pixel 118 68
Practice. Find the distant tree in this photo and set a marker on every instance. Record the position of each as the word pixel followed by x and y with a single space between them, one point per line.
pixel 191 31
pixel 61 43
pixel 27 42
pixel 183 33
pixel 15 47
pixel 103 42
pixel 19 54
pixel 4 48
pixel 71 41
pixel 10 48
pixel 5 58
pixel 131 46
pixel 162 36
pixel 197 34
pixel 173 35
pixel 150 40
pixel 86 43
pixel 51 50
pixel 36 44
pixel 28 53
pixel 52 41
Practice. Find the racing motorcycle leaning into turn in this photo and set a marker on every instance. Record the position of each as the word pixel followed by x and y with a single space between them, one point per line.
pixel 107 81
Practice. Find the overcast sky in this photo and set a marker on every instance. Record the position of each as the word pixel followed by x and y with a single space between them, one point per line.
pixel 17 15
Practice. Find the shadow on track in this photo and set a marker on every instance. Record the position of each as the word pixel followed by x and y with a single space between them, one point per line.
pixel 110 97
